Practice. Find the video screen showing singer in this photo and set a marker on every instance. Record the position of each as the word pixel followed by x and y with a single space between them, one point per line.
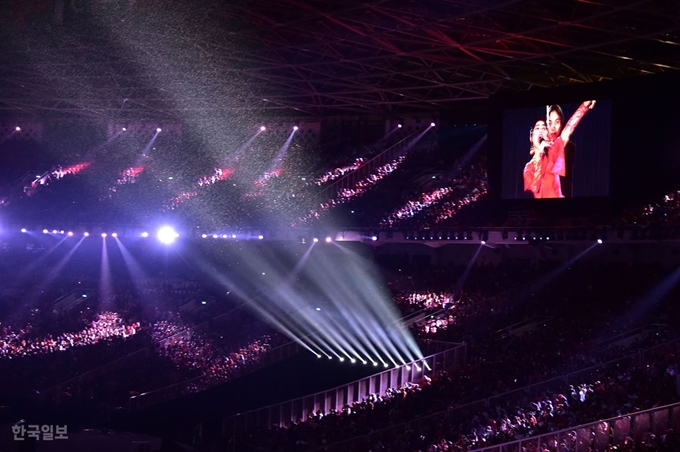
pixel 551 159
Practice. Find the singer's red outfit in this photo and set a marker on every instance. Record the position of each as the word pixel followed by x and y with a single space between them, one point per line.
pixel 542 177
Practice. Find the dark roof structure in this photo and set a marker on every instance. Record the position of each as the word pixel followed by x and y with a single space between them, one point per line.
pixel 142 58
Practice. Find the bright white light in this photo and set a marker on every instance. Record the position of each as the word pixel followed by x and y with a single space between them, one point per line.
pixel 23 230
pixel 114 235
pixel 318 356
pixel 342 360
pixel 158 130
pixel 599 241
pixel 205 236
pixel 399 125
pixel 318 309
pixel 86 234
pixel 104 234
pixel 385 365
pixel 17 128
pixel 54 231
pixel 432 124
pixel 374 238
pixel 418 368
pixel 145 234
pixel 61 232
pixel 45 231
pixel 315 240
pixel 263 128
pixel 233 236
pixel 408 367
pixel 215 236
pixel 353 360
pixel 167 235
pixel 329 240
pixel 124 129
pixel 224 236
pixel 295 127
pixel 260 237
pixel 375 363
pixel 70 234
pixel 483 242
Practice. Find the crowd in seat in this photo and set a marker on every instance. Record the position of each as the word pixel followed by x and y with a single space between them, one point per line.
pixel 501 364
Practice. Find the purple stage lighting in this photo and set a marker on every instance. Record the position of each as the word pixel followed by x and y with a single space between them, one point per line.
pixel 70 234
pixel 315 240
pixel 400 126
pixel 87 234
pixel 145 234
pixel 124 129
pixel 104 234
pixel 374 238
pixel 260 237
pixel 54 231
pixel 23 230
pixel 329 240
pixel 167 235
pixel 17 128
pixel 204 236
pixel 114 235
pixel 45 231
pixel 159 130
pixel 432 124
pixel 295 127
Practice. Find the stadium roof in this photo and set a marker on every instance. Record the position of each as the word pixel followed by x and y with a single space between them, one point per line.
pixel 140 58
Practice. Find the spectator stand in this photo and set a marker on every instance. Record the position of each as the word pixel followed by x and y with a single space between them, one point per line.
pixel 337 398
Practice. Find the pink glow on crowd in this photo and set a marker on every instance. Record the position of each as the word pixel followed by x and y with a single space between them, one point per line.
pixel 129 176
pixel 219 174
pixel 57 173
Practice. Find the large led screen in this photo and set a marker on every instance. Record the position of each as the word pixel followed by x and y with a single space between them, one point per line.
pixel 557 150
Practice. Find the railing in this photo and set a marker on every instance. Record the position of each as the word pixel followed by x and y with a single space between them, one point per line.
pixel 598 436
pixel 336 398
pixel 366 169
pixel 627 337
pixel 203 382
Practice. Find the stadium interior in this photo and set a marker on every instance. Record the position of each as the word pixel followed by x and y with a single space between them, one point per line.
pixel 305 225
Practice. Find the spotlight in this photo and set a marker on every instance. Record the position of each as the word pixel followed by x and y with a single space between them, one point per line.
pixel 295 127
pixel 54 231
pixel 224 236
pixel 86 234
pixel 114 235
pixel 353 360
pixel 61 232
pixel 342 360
pixel 124 129
pixel 599 241
pixel 262 128
pixel 385 365
pixel 17 128
pixel 23 230
pixel 315 240
pixel 432 124
pixel 158 130
pixel 215 236
pixel 375 363
pixel 400 126
pixel 260 237
pixel 70 234
pixel 330 357
pixel 145 234
pixel 167 235
pixel 329 240
pixel 204 236
pixel 318 356
pixel 418 368
pixel 408 367
pixel 374 238
pixel 233 236
pixel 104 235
pixel 483 242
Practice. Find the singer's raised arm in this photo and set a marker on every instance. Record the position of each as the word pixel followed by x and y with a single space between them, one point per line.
pixel 575 119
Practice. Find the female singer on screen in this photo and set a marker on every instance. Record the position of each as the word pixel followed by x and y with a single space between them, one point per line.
pixel 542 173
